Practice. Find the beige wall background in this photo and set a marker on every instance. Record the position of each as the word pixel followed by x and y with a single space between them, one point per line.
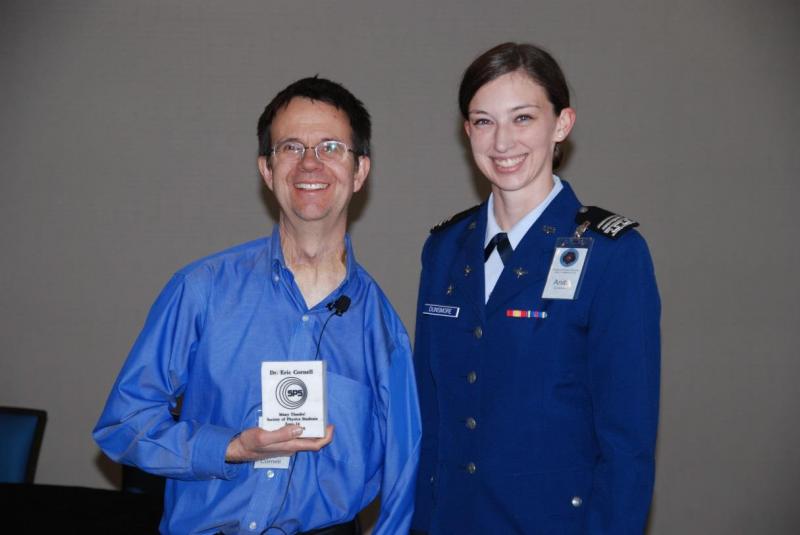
pixel 127 149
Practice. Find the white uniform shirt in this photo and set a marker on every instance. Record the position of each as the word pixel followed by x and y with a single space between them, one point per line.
pixel 494 265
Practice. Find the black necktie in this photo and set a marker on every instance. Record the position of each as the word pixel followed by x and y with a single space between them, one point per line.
pixel 504 249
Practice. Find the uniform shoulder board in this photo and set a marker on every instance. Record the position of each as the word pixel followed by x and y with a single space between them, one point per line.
pixel 603 222
pixel 454 219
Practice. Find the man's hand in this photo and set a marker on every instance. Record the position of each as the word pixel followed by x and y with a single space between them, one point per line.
pixel 255 443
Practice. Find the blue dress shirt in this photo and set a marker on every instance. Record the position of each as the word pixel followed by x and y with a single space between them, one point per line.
pixel 204 340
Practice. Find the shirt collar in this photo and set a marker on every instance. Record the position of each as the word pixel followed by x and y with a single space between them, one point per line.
pixel 519 230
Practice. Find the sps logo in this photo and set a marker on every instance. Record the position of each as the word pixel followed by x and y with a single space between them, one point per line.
pixel 291 393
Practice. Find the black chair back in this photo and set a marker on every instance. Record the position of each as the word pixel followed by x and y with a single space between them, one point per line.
pixel 21 432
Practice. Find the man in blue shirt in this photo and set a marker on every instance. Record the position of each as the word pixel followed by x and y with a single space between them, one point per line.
pixel 220 317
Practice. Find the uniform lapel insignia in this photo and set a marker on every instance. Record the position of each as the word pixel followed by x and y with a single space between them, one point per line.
pixel 450 289
pixel 549 230
pixel 520 272
pixel 467 270
pixel 472 226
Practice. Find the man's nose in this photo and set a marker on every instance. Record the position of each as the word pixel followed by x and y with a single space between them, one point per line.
pixel 309 160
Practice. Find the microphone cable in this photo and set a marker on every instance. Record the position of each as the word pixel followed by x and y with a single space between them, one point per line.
pixel 337 308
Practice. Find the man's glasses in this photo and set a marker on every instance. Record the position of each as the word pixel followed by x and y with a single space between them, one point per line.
pixel 326 151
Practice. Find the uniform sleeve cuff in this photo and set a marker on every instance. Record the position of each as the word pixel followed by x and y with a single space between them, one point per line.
pixel 208 454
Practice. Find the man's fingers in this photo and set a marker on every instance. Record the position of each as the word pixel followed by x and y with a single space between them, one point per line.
pixel 313 444
pixel 328 434
pixel 284 434
pixel 256 443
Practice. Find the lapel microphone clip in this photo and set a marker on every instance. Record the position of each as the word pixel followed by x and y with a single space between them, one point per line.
pixel 339 306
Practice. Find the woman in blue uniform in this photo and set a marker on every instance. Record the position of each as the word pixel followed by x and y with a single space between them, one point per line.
pixel 537 340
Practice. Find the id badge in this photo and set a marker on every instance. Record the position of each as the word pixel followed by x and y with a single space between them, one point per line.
pixel 567 268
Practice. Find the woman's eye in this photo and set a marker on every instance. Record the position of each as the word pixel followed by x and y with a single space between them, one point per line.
pixel 523 118
pixel 480 122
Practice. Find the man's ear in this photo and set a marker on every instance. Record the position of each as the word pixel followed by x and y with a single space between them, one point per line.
pixel 265 170
pixel 361 173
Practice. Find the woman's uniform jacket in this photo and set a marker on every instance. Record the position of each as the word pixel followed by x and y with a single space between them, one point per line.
pixel 541 424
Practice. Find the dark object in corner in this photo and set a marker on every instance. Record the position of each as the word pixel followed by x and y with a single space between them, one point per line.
pixel 140 482
pixel 21 432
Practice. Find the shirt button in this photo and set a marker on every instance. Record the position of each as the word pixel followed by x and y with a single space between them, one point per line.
pixel 472 377
pixel 471 468
pixel 478 332
pixel 252 526
pixel 577 501
pixel 305 317
pixel 471 423
pixel 276 278
pixel 270 474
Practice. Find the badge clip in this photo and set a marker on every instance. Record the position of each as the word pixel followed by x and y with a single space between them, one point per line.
pixel 582 228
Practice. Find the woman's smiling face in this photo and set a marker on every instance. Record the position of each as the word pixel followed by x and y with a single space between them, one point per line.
pixel 513 129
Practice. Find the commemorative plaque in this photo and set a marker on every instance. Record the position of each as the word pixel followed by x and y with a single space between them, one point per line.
pixel 293 392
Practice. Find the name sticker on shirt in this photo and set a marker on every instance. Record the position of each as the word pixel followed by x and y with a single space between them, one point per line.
pixel 567 268
pixel 446 311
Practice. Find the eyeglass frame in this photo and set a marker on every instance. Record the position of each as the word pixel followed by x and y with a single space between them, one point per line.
pixel 273 152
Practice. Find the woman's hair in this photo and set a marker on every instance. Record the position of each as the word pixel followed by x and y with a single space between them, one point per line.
pixel 511 57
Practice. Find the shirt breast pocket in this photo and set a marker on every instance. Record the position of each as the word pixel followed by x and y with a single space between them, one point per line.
pixel 350 410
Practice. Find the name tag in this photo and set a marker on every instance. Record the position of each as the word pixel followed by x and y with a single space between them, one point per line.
pixel 566 269
pixel 446 311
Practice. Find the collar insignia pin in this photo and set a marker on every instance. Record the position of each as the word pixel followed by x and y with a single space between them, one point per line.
pixel 450 289
pixel 472 226
pixel 519 272
pixel 547 229
pixel 467 270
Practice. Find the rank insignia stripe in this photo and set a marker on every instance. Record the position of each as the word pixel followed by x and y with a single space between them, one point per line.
pixel 455 219
pixel 605 223
pixel 534 314
pixel 445 311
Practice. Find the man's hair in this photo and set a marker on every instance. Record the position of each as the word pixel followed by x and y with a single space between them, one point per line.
pixel 321 90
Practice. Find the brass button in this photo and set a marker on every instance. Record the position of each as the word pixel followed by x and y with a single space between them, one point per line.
pixel 478 332
pixel 472 377
pixel 471 423
pixel 577 501
pixel 471 468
